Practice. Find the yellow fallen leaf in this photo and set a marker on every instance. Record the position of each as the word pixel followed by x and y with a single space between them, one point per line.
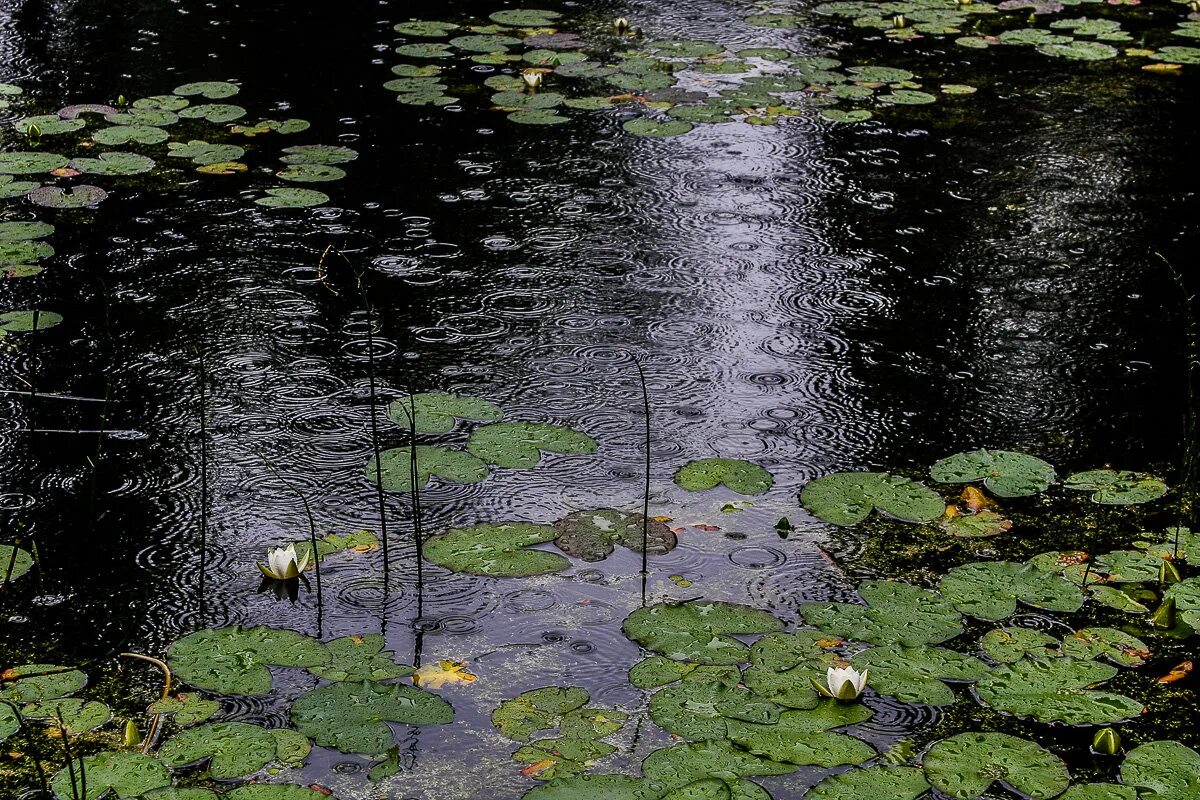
pixel 537 767
pixel 443 673
pixel 1162 67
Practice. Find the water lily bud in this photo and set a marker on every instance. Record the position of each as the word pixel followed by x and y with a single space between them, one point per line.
pixel 1164 615
pixel 1106 742
pixel 964 2
pixel 1194 6
pixel 33 131
pixel 132 736
pixel 532 78
pixel 1168 573
pixel 621 24
pixel 120 99
pixel 899 21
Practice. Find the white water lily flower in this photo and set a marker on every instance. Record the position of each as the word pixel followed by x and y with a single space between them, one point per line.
pixel 843 683
pixel 532 78
pixel 621 24
pixel 282 563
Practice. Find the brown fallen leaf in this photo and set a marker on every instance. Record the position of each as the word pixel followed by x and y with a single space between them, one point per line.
pixel 537 767
pixel 1178 673
pixel 974 499
pixel 319 789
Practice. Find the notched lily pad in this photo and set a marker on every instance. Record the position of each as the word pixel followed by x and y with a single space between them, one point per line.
pixel 292 198
pixel 354 717
pixel 895 613
pixel 740 476
pixel 698 631
pixel 360 658
pixel 872 783
pixel 32 683
pixel 213 90
pixel 234 660
pixel 127 775
pixel 847 498
pixel 22 322
pixel 1056 690
pixel 1163 771
pixel 965 766
pixel 438 412
pixel 990 589
pixel 496 550
pixel 1117 487
pixel 519 445
pixel 450 465
pixel 1004 473
pixel 230 749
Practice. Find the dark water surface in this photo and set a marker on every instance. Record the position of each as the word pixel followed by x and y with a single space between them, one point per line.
pixel 806 296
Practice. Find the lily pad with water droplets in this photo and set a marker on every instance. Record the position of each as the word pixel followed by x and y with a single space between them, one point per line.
pixel 360 658
pixel 234 660
pixel 537 710
pixel 521 100
pixel 784 665
pixel 1186 595
pixel 484 43
pixel 990 589
pixel 537 117
pixel 647 126
pixel 231 749
pixel 14 561
pixel 740 476
pixel 32 683
pixel 451 465
pixel 78 716
pixel 700 710
pixel 519 445
pixel 895 613
pixel 153 117
pixel 1079 51
pixel 9 723
pixel 1099 791
pixel 354 717
pixel 20 322
pixel 292 198
pixel 187 708
pixel 1009 645
pixel 10 188
pixel 267 791
pixel 29 163
pixel 49 125
pixel 425 50
pixel 593 535
pixel 437 412
pixel 907 97
pixel 1004 473
pixel 1056 690
pixel 526 17
pixel 804 738
pixel 311 173
pixel 872 783
pixel 203 153
pixel 974 526
pixel 1114 645
pixel 916 674
pixel 318 154
pixel 847 498
pixel 1117 487
pixel 213 90
pixel 965 766
pixel 496 550
pixel 159 102
pixel 685 48
pixel 116 163
pixel 79 196
pixel 1178 55
pixel 24 252
pixel 1163 771
pixel 698 631
pixel 214 112
pixel 125 134
pixel 597 787
pixel 126 774
pixel 430 28
pixel 686 763
pixel 838 115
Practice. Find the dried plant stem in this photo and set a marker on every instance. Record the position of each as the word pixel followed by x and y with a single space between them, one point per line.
pixel 155 719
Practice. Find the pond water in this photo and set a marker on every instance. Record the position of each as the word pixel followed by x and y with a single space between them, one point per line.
pixel 986 270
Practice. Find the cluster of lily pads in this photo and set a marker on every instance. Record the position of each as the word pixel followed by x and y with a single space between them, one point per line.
pixel 980 25
pixel 545 70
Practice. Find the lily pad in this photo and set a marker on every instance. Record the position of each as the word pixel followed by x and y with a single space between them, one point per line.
pixel 450 465
pixel 526 17
pixel 784 665
pixel 354 717
pixel 593 535
pixel 1163 771
pixel 740 476
pixel 318 154
pixel 839 115
pixel 114 164
pixel 895 613
pixel 1009 645
pixel 203 153
pixel 360 658
pixel 430 28
pixel 690 762
pixel 425 50
pixel 232 749
pixel 537 117
pixel 872 783
pixel 73 112
pixel 127 775
pixel 847 498
pixel 438 412
pixel 21 322
pixel 10 188
pixel 597 787
pixel 698 631
pixel 154 117
pixel 9 723
pixel 187 708
pixel 78 716
pixel 916 674
pixel 234 660
pixel 484 43
pixel 975 526
pixel 1004 473
pixel 496 550
pixel 79 196
pixel 1079 51
pixel 49 125
pixel 1177 55
pixel 537 710
pixel 292 198
pixel 359 541
pixel 311 173
pixel 1185 594
pixel 14 561
pixel 267 791
pixel 156 102
pixel 29 163
pixel 685 48
pixel 1117 487
pixel 1099 791
pixel 1117 646
pixel 521 100
pixel 700 710
pixel 217 113
pixel 803 738
pixel 966 765
pixel 213 90
pixel 519 445
pixel 647 126
pixel 1056 690
pixel 33 683
pixel 990 589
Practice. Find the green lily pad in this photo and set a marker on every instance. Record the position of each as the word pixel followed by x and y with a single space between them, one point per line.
pixel 114 164
pixel 1099 791
pixel 895 613
pixel 360 658
pixel 484 43
pixel 1163 771
pixel 33 683
pixel 975 526
pixel 584 69
pixel 318 154
pixel 1079 51
pixel 29 163
pixel 1056 690
pixel 430 28
pixel 1004 473
pixel 234 660
pixel 784 665
pixel 685 48
pixel 311 173
pixel 232 749
pixel 49 124
pixel 21 322
pixel 427 98
pixel 496 550
pixel 593 535
pixel 537 117
pixel 872 783
pixel 526 17
pixel 966 765
pixel 838 115
pixel 1009 645
pixel 187 708
pixel 740 476
pixel 703 114
pixel 990 589
pixel 267 791
pixel 213 90
pixel 354 717
pixel 330 543
pixel 732 66
pixel 907 97
pixel 154 117
pixel 9 724
pixel 201 152
pixel 699 710
pixel 655 671
pixel 1121 648
pixel 79 196
pixel 916 674
pixel 447 464
pixel 292 198
pixel 425 50
pixel 10 188
pixel 686 763
pixel 124 134
pixel 1117 487
pixel 803 738
pixel 1185 594
pixel 847 498
pixel 521 100
pixel 14 561
pixel 216 113
pixel 127 775
pixel 537 710
pixel 646 126
pixel 8 89
pixel 431 86
pixel 1115 598
pixel 159 102
pixel 597 787
pixel 78 716
pixel 519 445
pixel 1177 55
pixel 291 746
pixel 698 631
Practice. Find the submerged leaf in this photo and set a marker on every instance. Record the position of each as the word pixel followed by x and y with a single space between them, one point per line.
pixel 593 535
